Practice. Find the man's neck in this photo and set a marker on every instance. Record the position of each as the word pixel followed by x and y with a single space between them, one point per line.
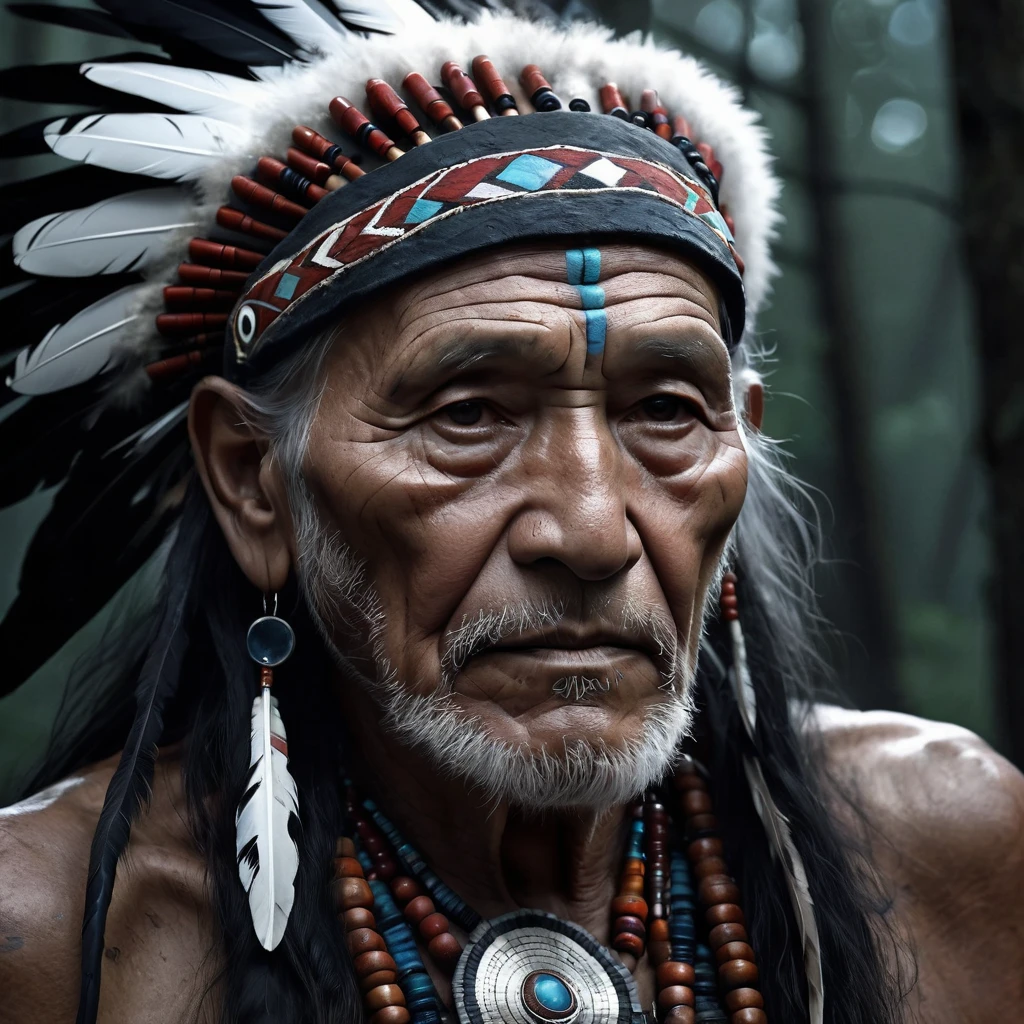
pixel 497 858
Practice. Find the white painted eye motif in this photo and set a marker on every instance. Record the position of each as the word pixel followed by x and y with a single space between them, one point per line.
pixel 245 325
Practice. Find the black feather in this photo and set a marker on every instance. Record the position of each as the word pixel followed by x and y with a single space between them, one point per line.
pixel 206 25
pixel 81 19
pixel 129 789
pixel 25 141
pixel 67 189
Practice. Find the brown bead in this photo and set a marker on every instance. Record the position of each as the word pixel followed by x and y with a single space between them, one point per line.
pixel 718 889
pixel 724 913
pixel 659 930
pixel 674 972
pixel 632 906
pixel 659 951
pixel 347 867
pixel 686 781
pixel 386 866
pixel 630 924
pixel 404 889
pixel 374 961
pixel 359 917
pixel 433 924
pixel 377 978
pixel 700 822
pixel 737 974
pixel 722 934
pixel 749 1016
pixel 680 1015
pixel 354 892
pixel 626 942
pixel 744 999
pixel 734 951
pixel 419 908
pixel 710 866
pixel 632 885
pixel 706 847
pixel 363 940
pixel 344 847
pixel 384 995
pixel 675 995
pixel 695 801
pixel 391 1015
pixel 445 951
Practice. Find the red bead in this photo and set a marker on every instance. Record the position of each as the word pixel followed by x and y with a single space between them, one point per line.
pixel 433 924
pixel 631 906
pixel 724 913
pixel 675 995
pixel 192 273
pixel 215 254
pixel 751 1016
pixel 626 942
pixel 445 951
pixel 492 84
pixel 612 101
pixel 384 100
pixel 718 889
pixel 738 974
pixel 419 908
pixel 250 191
pixel 674 972
pixel 352 120
pixel 377 978
pixel 532 80
pixel 743 999
pixel 633 925
pixel 404 889
pixel 431 101
pixel 462 87
pixel 235 220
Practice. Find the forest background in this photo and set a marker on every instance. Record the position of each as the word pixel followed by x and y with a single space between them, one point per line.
pixel 896 378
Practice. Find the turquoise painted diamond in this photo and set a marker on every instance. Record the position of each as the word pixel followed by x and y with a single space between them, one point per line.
pixel 552 993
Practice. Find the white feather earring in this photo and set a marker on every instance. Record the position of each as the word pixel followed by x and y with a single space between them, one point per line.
pixel 776 825
pixel 267 816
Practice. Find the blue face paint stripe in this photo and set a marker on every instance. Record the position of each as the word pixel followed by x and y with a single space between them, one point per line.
pixel 583 269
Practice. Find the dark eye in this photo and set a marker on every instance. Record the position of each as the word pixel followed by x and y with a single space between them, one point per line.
pixel 465 414
pixel 664 408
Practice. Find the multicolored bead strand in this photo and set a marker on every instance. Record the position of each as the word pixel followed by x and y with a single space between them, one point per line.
pixel 629 909
pixel 719 896
pixel 657 854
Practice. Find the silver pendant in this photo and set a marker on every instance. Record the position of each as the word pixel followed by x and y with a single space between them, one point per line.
pixel 530 967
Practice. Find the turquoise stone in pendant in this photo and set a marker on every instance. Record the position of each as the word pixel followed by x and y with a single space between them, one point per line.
pixel 552 993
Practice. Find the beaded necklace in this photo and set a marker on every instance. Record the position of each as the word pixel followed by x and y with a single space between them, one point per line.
pixel 530 967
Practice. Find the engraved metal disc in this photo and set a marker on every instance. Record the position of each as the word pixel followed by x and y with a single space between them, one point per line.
pixel 496 981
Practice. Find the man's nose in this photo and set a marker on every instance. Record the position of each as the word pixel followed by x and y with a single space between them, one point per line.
pixel 575 508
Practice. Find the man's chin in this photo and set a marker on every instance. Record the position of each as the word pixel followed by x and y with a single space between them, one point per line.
pixel 570 755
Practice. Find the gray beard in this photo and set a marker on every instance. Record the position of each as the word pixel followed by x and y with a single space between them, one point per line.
pixel 585 773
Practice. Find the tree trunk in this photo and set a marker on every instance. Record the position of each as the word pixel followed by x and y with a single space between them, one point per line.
pixel 872 617
pixel 988 59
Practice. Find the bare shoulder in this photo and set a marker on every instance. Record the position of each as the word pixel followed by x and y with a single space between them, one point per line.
pixel 940 816
pixel 158 916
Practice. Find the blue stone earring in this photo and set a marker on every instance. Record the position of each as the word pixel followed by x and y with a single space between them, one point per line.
pixel 266 822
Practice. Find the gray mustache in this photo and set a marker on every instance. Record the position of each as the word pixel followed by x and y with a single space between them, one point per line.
pixel 490 627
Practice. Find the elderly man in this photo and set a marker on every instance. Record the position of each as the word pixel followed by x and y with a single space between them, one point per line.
pixel 481 672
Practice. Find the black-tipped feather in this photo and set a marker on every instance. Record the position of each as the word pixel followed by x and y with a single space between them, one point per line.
pixel 129 789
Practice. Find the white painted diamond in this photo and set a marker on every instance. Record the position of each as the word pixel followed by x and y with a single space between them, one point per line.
pixel 485 190
pixel 604 171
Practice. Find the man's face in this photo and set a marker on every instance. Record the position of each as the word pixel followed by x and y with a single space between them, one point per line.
pixel 539 516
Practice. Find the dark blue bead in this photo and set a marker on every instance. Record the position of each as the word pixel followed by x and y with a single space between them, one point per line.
pixel 270 640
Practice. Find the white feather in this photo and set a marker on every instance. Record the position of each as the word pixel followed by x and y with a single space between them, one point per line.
pixel 187 89
pixel 742 685
pixel 780 839
pixel 303 23
pixel 175 146
pixel 114 236
pixel 268 858
pixel 79 349
pixel 386 16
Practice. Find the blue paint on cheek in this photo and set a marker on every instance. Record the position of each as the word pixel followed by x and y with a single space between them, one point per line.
pixel 583 269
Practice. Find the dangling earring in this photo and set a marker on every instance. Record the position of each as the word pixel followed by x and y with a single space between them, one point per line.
pixel 776 824
pixel 267 816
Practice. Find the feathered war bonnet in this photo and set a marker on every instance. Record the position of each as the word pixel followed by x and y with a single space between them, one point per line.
pixel 286 161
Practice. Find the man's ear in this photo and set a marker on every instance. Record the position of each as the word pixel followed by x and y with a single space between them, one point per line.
pixel 244 486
